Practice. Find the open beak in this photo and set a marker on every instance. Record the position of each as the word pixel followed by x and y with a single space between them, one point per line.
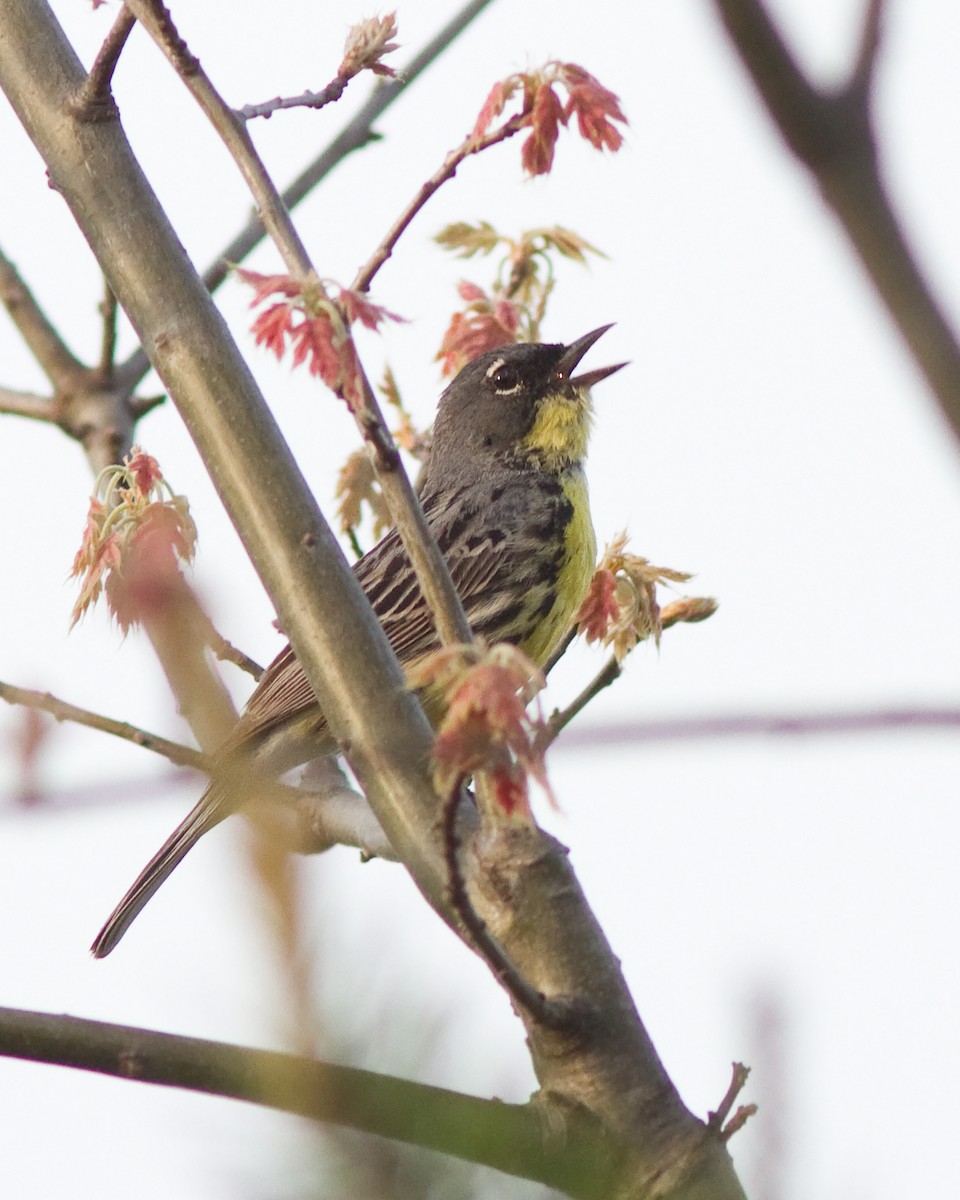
pixel 570 360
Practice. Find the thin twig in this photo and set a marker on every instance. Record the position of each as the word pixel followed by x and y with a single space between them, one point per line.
pixel 831 131
pixel 94 100
pixel 446 172
pixel 688 610
pixel 568 639
pixel 738 1120
pixel 328 95
pixel 93 406
pixel 738 1081
pixel 561 718
pixel 139 406
pixel 62 711
pixel 428 563
pixel 717 1121
pixel 227 652
pixel 553 1013
pixel 156 19
pixel 108 337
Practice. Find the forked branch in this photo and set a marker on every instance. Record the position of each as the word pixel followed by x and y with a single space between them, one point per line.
pixel 831 132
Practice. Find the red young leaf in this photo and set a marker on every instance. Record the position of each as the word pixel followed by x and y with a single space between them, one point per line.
pixel 273 326
pixel 537 151
pixel 313 343
pixel 470 292
pixel 471 334
pixel 599 608
pixel 507 316
pixel 93 561
pixel 366 44
pixel 268 285
pixel 147 533
pixel 486 728
pixel 494 104
pixel 145 471
pixel 357 306
pixel 621 606
pixel 595 107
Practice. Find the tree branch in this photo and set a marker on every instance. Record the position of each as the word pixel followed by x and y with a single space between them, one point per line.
pixel 108 334
pixel 27 404
pixel 832 134
pixel 635 733
pixel 428 563
pixel 154 16
pixel 87 404
pixel 62 711
pixel 94 101
pixel 444 173
pixel 328 95
pixel 553 1012
pixel 319 602
pixel 358 132
pixel 48 348
pixel 509 1137
pixel 522 885
pixel 560 718
pixel 688 610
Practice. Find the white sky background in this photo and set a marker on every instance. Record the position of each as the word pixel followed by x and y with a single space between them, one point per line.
pixel 770 435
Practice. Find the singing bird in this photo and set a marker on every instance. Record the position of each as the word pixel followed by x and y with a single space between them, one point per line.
pixel 505 496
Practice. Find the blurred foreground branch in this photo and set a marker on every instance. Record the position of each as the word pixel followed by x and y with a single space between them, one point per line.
pixel 510 1137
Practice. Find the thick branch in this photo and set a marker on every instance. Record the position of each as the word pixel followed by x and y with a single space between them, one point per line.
pixel 554 1013
pixel 832 133
pixel 509 1137
pixel 320 604
pixel 525 890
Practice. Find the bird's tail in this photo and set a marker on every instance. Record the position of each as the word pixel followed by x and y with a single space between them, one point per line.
pixel 209 811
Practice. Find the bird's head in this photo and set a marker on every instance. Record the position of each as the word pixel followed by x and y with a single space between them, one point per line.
pixel 519 403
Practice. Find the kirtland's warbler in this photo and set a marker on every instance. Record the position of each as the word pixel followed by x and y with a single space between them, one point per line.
pixel 505 496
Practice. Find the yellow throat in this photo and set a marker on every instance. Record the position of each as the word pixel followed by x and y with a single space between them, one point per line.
pixel 561 429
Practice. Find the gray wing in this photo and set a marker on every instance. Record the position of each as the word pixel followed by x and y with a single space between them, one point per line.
pixel 498 547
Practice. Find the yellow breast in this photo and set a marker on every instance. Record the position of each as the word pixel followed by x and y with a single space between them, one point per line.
pixel 580 545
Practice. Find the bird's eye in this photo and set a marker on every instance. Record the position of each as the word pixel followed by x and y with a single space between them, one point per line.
pixel 506 380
